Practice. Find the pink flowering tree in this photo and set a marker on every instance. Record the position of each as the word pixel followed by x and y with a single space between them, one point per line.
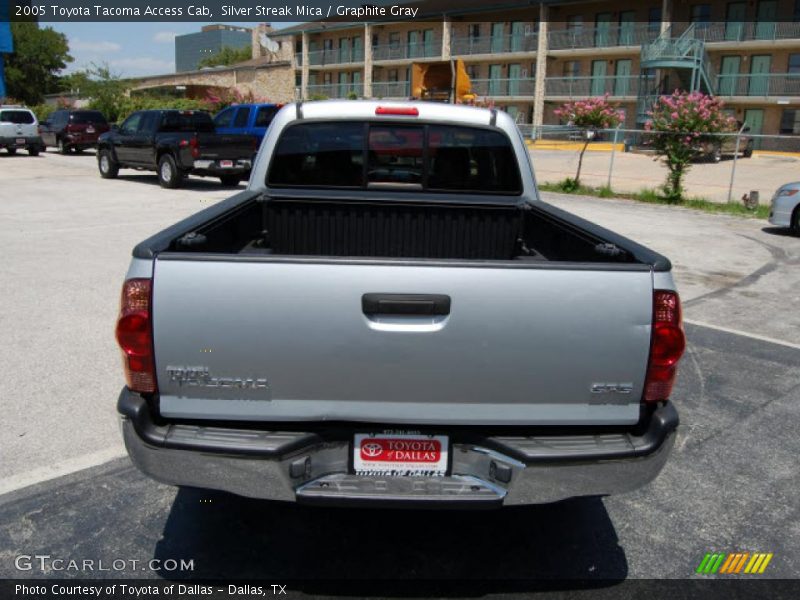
pixel 683 124
pixel 590 115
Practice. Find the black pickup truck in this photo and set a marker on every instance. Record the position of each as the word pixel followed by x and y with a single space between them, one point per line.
pixel 175 143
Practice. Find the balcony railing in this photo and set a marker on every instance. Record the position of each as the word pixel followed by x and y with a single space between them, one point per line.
pixel 336 56
pixel 626 34
pixel 391 89
pixel 740 31
pixel 403 50
pixel 585 87
pixel 762 85
pixel 335 90
pixel 518 86
pixel 495 44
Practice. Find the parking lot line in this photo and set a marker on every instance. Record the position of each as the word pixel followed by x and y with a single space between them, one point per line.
pixel 754 336
pixel 71 465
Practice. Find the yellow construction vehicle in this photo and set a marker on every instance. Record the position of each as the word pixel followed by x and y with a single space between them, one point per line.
pixel 442 81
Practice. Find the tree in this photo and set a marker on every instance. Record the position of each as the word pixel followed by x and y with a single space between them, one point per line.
pixel 227 56
pixel 590 115
pixel 106 90
pixel 683 123
pixel 32 69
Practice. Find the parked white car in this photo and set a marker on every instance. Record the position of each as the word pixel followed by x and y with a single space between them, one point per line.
pixel 785 210
pixel 19 128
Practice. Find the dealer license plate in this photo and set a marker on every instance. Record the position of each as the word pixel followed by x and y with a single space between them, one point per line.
pixel 90 130
pixel 226 164
pixel 400 455
pixel 20 141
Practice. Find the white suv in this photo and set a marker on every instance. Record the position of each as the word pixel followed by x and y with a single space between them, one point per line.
pixel 19 128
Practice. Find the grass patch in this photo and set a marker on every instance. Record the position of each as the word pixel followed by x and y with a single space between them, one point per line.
pixel 652 196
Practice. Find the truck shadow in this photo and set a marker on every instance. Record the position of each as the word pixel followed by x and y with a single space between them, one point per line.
pixel 571 544
pixel 197 184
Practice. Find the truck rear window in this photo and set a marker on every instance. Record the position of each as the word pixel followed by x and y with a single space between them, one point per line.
pixel 87 117
pixel 20 117
pixel 441 158
pixel 187 122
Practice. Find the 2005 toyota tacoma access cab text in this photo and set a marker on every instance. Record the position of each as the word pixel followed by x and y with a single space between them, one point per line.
pixel 390 315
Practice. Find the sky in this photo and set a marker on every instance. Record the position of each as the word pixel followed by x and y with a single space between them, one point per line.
pixel 130 49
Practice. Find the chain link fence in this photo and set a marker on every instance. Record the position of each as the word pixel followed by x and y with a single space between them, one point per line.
pixel 728 167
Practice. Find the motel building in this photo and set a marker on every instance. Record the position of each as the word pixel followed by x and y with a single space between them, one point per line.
pixel 528 57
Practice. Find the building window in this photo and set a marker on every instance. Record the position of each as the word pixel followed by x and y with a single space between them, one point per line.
pixel 790 121
pixel 701 13
pixel 572 68
pixel 374 39
pixel 392 75
pixel 473 71
pixel 794 63
pixel 575 23
pixel 475 30
pixel 394 39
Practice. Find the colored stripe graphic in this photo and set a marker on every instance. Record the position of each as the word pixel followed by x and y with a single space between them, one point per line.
pixel 734 563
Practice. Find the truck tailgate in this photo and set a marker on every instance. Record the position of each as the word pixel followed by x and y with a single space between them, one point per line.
pixel 285 340
pixel 226 147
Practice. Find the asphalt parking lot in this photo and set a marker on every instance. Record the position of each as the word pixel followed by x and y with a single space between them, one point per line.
pixel 65 489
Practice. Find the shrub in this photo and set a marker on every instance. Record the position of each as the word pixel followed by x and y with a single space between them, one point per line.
pixel 590 115
pixel 682 123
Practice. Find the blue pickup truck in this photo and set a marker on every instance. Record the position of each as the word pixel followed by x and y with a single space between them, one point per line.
pixel 247 119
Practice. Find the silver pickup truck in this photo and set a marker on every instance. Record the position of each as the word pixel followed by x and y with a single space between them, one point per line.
pixel 390 315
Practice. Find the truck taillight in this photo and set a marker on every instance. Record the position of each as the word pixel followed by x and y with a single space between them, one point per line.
pixel 135 335
pixel 194 146
pixel 666 347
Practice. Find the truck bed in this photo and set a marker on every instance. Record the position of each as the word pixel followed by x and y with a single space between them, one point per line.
pixel 386 229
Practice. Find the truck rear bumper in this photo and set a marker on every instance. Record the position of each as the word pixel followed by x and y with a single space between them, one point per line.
pixel 29 141
pixel 308 467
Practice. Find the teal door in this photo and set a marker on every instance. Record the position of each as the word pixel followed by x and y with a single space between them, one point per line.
pixel 759 75
pixel 497 37
pixel 356 86
pixel 427 43
pixel 754 119
pixel 358 49
pixel 495 82
pixel 602 31
pixel 729 75
pixel 344 50
pixel 517 36
pixel 627 24
pixel 313 53
pixel 734 21
pixel 623 79
pixel 413 44
pixel 765 19
pixel 598 78
pixel 514 77
pixel 343 87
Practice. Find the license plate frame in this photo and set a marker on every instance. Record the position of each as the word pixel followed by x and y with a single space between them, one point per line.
pixel 226 164
pixel 19 141
pixel 401 454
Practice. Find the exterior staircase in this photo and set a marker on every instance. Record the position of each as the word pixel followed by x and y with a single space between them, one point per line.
pixel 681 62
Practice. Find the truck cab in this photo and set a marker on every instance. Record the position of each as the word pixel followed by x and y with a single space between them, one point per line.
pixel 247 119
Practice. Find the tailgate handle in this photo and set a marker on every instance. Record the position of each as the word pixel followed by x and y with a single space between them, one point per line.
pixel 405 304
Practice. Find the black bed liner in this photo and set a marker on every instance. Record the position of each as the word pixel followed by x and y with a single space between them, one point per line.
pixel 253 223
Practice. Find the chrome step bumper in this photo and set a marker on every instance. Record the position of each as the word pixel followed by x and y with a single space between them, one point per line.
pixel 306 467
